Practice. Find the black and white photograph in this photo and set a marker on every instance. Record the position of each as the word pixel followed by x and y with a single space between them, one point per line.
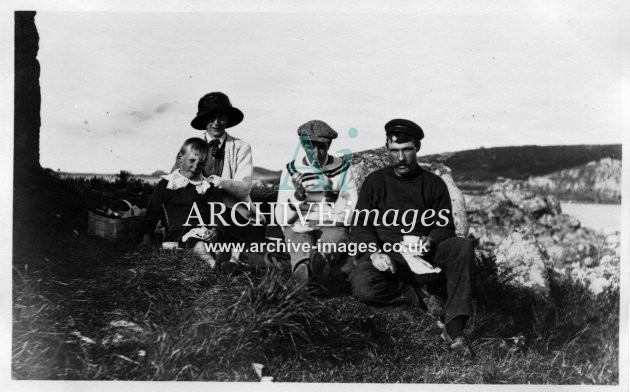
pixel 316 192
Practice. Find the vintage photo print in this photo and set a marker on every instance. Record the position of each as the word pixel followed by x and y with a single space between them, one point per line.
pixel 338 192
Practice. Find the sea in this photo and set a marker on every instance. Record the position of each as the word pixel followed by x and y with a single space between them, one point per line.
pixel 604 217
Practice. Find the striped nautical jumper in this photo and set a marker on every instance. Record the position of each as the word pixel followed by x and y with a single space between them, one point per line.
pixel 341 195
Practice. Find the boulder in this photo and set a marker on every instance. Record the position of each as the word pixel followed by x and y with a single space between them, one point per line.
pixel 485 238
pixel 482 203
pixel 365 162
pixel 559 222
pixel 511 190
pixel 458 203
pixel 564 222
pixel 520 256
pixel 553 205
pixel 518 193
pixel 534 206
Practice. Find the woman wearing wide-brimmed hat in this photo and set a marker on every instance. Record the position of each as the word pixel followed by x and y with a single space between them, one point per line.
pixel 229 166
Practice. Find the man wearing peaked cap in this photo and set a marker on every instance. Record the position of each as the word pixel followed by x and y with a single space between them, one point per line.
pixel 405 127
pixel 386 277
pixel 320 186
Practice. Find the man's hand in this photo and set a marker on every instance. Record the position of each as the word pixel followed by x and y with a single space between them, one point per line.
pixel 382 262
pixel 214 180
pixel 296 179
pixel 300 192
pixel 427 245
pixel 321 183
pixel 145 243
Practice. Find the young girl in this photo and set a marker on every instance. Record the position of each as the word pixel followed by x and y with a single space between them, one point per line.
pixel 173 199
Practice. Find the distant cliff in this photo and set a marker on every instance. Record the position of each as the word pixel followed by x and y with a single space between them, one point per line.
pixel 520 162
pixel 598 181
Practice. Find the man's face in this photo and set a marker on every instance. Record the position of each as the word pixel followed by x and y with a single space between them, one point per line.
pixel 192 164
pixel 320 151
pixel 216 124
pixel 402 156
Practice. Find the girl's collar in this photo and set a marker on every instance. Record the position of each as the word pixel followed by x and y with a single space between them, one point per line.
pixel 176 180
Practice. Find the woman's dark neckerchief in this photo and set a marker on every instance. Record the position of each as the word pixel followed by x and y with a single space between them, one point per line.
pixel 217 150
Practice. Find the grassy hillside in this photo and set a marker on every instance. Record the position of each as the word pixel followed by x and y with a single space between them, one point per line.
pixel 85 308
pixel 520 162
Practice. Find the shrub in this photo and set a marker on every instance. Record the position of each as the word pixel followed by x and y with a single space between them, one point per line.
pixel 122 178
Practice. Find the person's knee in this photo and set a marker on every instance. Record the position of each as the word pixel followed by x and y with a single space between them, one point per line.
pixel 458 244
pixel 333 242
pixel 362 281
pixel 361 289
pixel 334 235
pixel 465 246
pixel 291 236
pixel 461 250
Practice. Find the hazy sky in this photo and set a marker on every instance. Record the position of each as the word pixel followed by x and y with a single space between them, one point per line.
pixel 119 89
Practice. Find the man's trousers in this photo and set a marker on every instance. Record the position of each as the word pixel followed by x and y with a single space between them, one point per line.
pixel 455 256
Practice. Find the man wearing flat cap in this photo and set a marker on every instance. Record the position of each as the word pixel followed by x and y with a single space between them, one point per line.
pixel 441 264
pixel 316 198
pixel 229 164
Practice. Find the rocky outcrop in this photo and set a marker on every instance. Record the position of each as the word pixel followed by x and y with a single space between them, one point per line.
pixel 518 194
pixel 589 257
pixel 505 206
pixel 509 207
pixel 365 162
pixel 521 258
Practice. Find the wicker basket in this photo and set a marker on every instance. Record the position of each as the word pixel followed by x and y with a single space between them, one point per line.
pixel 112 229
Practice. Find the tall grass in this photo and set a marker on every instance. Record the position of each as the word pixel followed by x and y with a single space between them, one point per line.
pixel 197 325
pixel 86 308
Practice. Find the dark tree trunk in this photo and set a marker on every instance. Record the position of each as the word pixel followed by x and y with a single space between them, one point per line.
pixel 27 96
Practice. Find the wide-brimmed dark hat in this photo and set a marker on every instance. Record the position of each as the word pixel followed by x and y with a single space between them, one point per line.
pixel 214 103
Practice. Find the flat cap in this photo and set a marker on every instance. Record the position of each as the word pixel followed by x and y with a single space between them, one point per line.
pixel 317 131
pixel 406 127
